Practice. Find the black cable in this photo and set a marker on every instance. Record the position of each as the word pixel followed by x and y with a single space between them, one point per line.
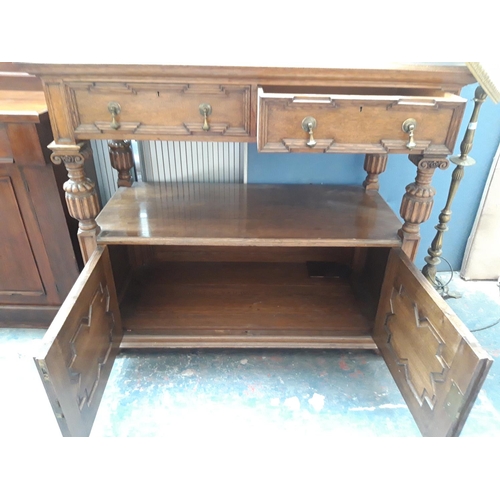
pixel 444 288
pixel 438 284
pixel 486 327
pixel 493 324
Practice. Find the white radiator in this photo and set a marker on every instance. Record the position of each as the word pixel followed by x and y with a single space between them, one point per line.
pixel 174 161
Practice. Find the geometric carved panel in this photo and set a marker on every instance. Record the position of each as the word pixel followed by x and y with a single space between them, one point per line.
pixel 345 123
pixel 416 345
pixel 92 340
pixel 80 346
pixel 435 361
pixel 160 110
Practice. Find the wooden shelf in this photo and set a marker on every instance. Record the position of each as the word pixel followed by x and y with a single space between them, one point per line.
pixel 203 304
pixel 248 215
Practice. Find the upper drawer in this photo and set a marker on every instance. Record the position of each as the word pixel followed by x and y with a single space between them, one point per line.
pixel 358 123
pixel 159 110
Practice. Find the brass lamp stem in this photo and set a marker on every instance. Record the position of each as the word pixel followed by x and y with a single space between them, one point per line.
pixel 435 250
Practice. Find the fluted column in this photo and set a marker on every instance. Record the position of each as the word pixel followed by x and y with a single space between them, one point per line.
pixel 80 193
pixel 122 160
pixel 374 166
pixel 417 203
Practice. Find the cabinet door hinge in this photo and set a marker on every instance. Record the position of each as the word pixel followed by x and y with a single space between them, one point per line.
pixel 56 404
pixel 45 373
pixel 58 411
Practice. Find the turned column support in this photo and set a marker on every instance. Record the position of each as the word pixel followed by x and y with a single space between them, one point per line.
pixel 436 249
pixel 122 160
pixel 416 206
pixel 374 166
pixel 80 193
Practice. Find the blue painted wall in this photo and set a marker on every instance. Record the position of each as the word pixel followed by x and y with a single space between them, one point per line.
pixel 300 168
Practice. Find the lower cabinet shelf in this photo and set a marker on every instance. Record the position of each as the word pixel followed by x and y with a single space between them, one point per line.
pixel 243 304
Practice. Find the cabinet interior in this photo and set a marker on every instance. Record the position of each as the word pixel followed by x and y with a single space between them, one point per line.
pixel 248 265
pixel 183 296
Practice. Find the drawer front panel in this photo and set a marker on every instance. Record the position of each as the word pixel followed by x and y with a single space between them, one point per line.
pixel 358 124
pixel 160 110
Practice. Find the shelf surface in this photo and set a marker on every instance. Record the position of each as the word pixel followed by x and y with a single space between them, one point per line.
pixel 248 215
pixel 243 303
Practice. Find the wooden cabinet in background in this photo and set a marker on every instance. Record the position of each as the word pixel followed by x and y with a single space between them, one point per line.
pixel 38 259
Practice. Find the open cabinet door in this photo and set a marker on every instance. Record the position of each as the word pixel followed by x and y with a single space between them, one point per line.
pixel 436 362
pixel 80 347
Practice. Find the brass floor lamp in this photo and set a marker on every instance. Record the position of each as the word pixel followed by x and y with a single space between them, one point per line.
pixel 488 77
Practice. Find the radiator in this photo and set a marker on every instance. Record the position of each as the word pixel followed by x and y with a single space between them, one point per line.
pixel 174 161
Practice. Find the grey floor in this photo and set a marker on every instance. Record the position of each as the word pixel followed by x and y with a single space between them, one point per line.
pixel 313 393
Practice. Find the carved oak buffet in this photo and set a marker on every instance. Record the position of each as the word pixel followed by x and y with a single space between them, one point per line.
pixel 210 265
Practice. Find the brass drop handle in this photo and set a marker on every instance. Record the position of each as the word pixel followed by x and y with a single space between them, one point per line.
pixel 409 127
pixel 114 108
pixel 308 125
pixel 205 111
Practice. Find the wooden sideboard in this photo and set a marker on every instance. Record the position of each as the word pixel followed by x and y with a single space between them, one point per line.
pixel 217 265
pixel 38 260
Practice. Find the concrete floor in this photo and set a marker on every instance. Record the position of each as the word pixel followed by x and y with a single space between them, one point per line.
pixel 314 393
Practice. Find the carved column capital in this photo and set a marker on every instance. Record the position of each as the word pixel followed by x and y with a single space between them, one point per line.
pixel 72 154
pixel 423 162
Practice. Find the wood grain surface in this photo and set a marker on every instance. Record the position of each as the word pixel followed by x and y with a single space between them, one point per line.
pixel 436 362
pixel 252 303
pixel 248 215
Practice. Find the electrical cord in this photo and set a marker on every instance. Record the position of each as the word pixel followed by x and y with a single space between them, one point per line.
pixel 438 284
pixel 444 289
pixel 486 327
pixel 493 324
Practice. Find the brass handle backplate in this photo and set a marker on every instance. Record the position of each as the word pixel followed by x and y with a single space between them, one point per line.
pixel 114 108
pixel 308 125
pixel 409 127
pixel 205 111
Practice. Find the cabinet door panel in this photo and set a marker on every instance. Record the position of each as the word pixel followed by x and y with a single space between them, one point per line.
pixel 437 364
pixel 80 346
pixel 19 274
